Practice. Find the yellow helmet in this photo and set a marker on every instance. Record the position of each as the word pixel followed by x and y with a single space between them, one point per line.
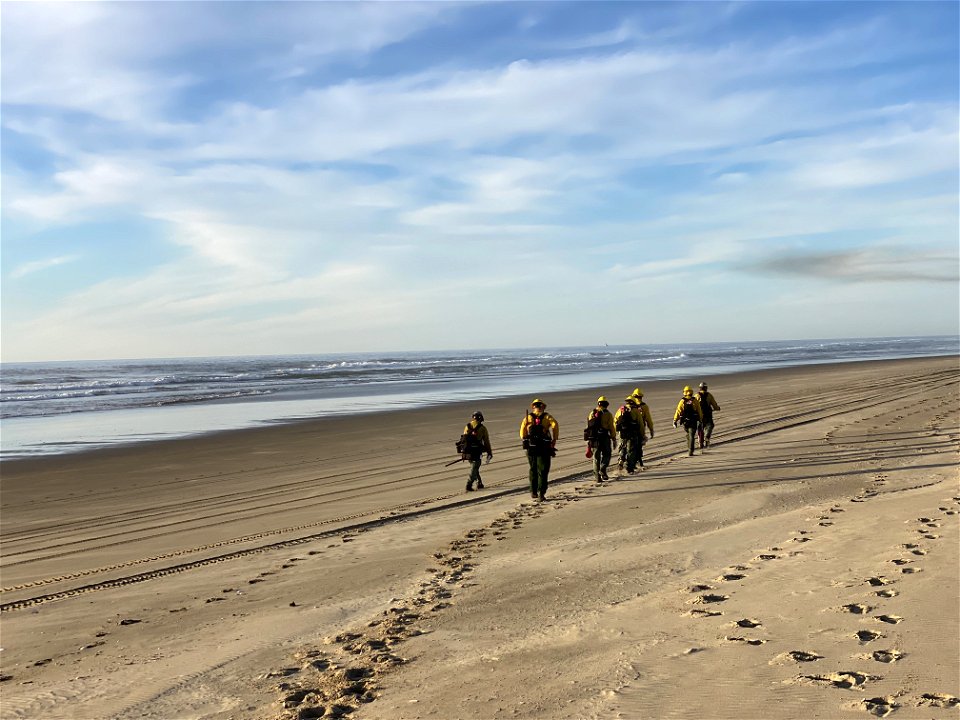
pixel 538 401
pixel 602 399
pixel 637 392
pixel 687 390
pixel 630 399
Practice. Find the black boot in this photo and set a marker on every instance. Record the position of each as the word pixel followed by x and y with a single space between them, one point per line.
pixel 469 487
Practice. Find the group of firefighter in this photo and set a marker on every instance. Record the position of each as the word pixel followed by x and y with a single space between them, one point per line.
pixel 539 432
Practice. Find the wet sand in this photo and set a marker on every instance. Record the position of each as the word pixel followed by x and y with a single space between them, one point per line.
pixel 805 566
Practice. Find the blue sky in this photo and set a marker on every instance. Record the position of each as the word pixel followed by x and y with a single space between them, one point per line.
pixel 184 179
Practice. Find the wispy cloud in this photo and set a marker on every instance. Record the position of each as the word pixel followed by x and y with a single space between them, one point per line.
pixel 409 156
pixel 40 265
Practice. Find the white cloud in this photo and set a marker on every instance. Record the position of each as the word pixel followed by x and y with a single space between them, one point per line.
pixel 29 268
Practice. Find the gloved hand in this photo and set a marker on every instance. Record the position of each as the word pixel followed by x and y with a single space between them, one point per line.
pixel 676 424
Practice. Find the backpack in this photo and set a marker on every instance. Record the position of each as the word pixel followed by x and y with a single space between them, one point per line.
pixel 705 406
pixel 595 429
pixel 536 431
pixel 469 442
pixel 689 414
pixel 626 423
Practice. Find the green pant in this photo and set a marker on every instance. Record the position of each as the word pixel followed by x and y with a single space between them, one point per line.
pixel 691 436
pixel 539 470
pixel 474 470
pixel 629 450
pixel 601 457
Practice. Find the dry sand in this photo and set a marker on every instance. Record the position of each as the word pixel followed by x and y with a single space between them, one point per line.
pixel 805 566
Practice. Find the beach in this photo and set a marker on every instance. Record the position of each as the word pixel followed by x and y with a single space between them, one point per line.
pixel 806 565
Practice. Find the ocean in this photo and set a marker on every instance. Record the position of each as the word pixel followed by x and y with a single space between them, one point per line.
pixel 61 407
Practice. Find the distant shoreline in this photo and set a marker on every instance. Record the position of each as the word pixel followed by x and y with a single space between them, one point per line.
pixel 328 422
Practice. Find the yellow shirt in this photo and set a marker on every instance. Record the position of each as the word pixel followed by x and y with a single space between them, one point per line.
pixel 482 434
pixel 679 413
pixel 637 418
pixel 606 420
pixel 547 422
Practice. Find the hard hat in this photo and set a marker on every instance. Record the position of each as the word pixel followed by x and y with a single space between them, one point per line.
pixel 603 399
pixel 703 386
pixel 637 392
pixel 687 390
pixel 477 416
pixel 631 399
pixel 538 401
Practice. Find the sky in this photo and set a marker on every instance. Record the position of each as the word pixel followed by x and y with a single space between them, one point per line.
pixel 244 178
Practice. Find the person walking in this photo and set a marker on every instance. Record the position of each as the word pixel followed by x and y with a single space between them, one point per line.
pixel 627 423
pixel 601 435
pixel 474 441
pixel 707 406
pixel 646 421
pixel 539 433
pixel 688 414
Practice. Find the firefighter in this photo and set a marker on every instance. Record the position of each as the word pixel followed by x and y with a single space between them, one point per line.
pixel 627 423
pixel 689 415
pixel 601 434
pixel 539 433
pixel 707 405
pixel 646 421
pixel 475 441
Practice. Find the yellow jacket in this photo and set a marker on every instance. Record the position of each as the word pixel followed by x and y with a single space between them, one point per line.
pixel 547 422
pixel 645 420
pixel 482 434
pixel 606 420
pixel 679 412
pixel 706 398
pixel 637 417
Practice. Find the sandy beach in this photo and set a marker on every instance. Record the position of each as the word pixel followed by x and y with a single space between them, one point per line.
pixel 805 566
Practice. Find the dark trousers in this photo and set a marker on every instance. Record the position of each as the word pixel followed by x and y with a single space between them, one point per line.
pixel 629 447
pixel 640 441
pixel 705 431
pixel 691 436
pixel 539 470
pixel 602 450
pixel 474 470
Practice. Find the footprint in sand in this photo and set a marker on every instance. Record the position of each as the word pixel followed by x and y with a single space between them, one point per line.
pixel 941 700
pixel 843 680
pixel 879 706
pixel 887 656
pixel 803 656
pixel 748 623
pixel 709 598
pixel 889 619
pixel 878 581
pixel 797 656
pixel 901 561
pixel 746 641
pixel 866 636
pixel 886 593
pixel 730 577
pixel 911 570
pixel 699 588
pixel 704 613
pixel 766 556
pixel 856 608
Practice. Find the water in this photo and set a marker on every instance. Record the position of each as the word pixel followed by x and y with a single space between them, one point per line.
pixel 50 408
